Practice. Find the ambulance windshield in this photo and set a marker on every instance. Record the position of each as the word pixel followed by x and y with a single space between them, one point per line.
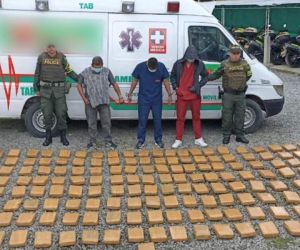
pixel 211 43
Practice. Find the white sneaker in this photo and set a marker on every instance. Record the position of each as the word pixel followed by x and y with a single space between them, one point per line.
pixel 177 144
pixel 200 142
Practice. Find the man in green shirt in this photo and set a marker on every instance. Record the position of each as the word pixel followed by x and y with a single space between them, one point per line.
pixel 235 72
pixel 49 83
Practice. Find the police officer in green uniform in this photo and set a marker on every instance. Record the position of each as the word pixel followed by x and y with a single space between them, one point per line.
pixel 49 83
pixel 235 72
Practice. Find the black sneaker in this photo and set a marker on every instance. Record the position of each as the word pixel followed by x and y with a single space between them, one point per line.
pixel 242 139
pixel 160 144
pixel 226 140
pixel 139 145
pixel 111 145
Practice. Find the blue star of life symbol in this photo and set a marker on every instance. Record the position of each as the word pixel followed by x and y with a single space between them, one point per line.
pixel 130 39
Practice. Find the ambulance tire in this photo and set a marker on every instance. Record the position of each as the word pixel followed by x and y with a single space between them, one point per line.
pixel 34 121
pixel 253 117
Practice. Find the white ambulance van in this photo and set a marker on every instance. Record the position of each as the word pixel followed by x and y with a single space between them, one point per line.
pixel 123 33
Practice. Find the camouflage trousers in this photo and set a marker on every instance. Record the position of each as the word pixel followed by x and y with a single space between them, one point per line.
pixel 54 105
pixel 233 114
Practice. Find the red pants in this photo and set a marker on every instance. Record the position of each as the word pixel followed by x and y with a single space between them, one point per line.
pixel 182 107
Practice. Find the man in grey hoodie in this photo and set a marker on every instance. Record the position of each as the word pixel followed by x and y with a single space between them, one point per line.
pixel 185 79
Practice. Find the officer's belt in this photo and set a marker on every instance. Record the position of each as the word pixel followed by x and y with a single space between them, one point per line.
pixel 52 84
pixel 234 91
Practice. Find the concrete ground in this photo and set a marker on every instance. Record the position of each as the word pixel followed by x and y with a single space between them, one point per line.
pixel 281 129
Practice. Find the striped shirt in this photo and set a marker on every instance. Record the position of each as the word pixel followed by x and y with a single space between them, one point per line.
pixel 96 85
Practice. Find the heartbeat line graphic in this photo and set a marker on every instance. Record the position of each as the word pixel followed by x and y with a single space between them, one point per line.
pixel 13 78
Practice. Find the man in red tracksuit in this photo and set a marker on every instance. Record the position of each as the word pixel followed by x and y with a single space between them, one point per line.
pixel 188 76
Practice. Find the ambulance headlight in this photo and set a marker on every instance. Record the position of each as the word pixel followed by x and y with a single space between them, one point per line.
pixel 128 7
pixel 279 89
pixel 42 5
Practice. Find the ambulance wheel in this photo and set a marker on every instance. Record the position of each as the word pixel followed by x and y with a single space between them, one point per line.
pixel 34 121
pixel 253 116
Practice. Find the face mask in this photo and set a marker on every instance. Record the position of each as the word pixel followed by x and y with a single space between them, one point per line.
pixel 191 60
pixel 152 70
pixel 97 70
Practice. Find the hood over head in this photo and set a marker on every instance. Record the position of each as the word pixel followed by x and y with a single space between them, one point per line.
pixel 191 53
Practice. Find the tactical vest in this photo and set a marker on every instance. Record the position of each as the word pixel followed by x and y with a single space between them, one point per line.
pixel 234 76
pixel 52 68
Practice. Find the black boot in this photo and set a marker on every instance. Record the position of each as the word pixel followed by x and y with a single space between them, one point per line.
pixel 226 140
pixel 48 139
pixel 242 139
pixel 63 138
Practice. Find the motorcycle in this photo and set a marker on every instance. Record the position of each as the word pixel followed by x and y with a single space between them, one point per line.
pixel 261 36
pixel 283 48
pixel 278 47
pixel 292 57
pixel 238 34
pixel 247 41
pixel 254 46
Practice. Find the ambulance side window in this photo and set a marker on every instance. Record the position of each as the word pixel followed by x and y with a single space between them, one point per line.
pixel 211 43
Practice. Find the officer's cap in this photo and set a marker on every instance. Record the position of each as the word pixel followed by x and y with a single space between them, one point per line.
pixel 235 49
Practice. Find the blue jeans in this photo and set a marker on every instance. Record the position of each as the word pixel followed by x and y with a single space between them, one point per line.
pixel 144 108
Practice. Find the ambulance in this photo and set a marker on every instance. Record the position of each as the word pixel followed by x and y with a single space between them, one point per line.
pixel 123 33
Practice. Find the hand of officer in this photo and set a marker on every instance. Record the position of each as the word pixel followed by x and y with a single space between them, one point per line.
pixel 38 93
pixel 121 100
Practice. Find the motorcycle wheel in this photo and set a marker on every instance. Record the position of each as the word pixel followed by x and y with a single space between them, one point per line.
pixel 276 59
pixel 292 60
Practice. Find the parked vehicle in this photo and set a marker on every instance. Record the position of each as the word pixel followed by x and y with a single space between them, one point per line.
pixel 292 57
pixel 284 48
pixel 261 35
pixel 239 36
pixel 254 46
pixel 278 46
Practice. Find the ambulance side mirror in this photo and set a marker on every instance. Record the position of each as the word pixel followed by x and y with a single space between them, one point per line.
pixel 242 54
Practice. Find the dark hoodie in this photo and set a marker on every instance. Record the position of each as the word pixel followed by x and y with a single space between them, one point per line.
pixel 190 53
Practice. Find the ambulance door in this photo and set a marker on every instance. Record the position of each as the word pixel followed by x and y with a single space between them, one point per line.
pixel 133 39
pixel 212 46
